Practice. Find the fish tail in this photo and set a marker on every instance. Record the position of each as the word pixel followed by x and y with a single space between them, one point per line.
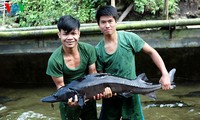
pixel 171 74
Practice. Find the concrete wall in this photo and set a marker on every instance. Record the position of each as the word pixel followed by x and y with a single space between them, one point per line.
pixel 23 60
pixel 29 69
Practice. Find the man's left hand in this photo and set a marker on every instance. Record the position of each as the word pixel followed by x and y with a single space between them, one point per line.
pixel 165 82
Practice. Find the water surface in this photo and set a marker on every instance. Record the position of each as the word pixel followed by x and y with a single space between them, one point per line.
pixel 24 104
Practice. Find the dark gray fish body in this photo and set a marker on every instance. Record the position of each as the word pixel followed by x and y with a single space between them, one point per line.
pixel 93 84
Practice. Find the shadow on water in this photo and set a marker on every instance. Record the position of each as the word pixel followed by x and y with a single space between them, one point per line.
pixel 181 103
pixel 4 99
pixel 190 94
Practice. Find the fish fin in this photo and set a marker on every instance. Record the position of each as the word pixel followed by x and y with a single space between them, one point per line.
pixel 152 95
pixel 143 77
pixel 81 101
pixel 102 74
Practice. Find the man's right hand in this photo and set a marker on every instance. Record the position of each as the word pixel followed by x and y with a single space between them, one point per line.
pixel 106 94
pixel 73 102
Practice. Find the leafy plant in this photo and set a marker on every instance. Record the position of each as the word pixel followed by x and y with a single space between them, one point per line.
pixel 154 6
pixel 173 6
pixel 47 12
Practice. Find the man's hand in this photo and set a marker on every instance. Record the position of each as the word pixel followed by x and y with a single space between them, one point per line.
pixel 106 94
pixel 73 102
pixel 98 96
pixel 165 82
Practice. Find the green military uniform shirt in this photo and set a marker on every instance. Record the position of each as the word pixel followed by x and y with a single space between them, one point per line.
pixel 121 63
pixel 57 68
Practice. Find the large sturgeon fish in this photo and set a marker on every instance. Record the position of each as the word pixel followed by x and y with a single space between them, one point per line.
pixel 93 84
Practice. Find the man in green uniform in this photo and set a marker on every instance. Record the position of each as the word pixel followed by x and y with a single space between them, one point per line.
pixel 72 60
pixel 116 55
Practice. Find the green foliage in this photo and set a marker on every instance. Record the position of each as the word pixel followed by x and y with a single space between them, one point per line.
pixel 47 12
pixel 173 6
pixel 154 6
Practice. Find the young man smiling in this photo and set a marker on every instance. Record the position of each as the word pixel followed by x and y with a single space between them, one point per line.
pixel 70 61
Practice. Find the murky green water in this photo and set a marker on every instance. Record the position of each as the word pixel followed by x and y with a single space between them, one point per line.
pixel 186 107
pixel 24 104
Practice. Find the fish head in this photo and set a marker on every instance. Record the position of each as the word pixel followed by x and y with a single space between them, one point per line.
pixel 61 95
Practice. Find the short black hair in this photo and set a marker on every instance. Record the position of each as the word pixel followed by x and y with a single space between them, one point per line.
pixel 107 10
pixel 68 23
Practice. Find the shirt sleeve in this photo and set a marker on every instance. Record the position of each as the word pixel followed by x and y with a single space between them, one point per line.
pixel 54 68
pixel 93 56
pixel 136 42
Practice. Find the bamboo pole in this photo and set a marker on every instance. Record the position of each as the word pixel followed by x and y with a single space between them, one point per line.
pixel 41 27
pixel 166 9
pixel 88 29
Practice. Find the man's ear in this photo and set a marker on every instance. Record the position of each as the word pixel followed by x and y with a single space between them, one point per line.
pixel 79 33
pixel 58 34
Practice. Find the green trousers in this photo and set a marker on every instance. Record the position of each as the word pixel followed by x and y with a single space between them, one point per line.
pixel 88 112
pixel 116 108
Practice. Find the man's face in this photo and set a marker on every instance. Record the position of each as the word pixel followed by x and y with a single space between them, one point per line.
pixel 69 39
pixel 107 25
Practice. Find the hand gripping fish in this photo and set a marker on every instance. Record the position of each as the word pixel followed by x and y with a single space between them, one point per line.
pixel 93 84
